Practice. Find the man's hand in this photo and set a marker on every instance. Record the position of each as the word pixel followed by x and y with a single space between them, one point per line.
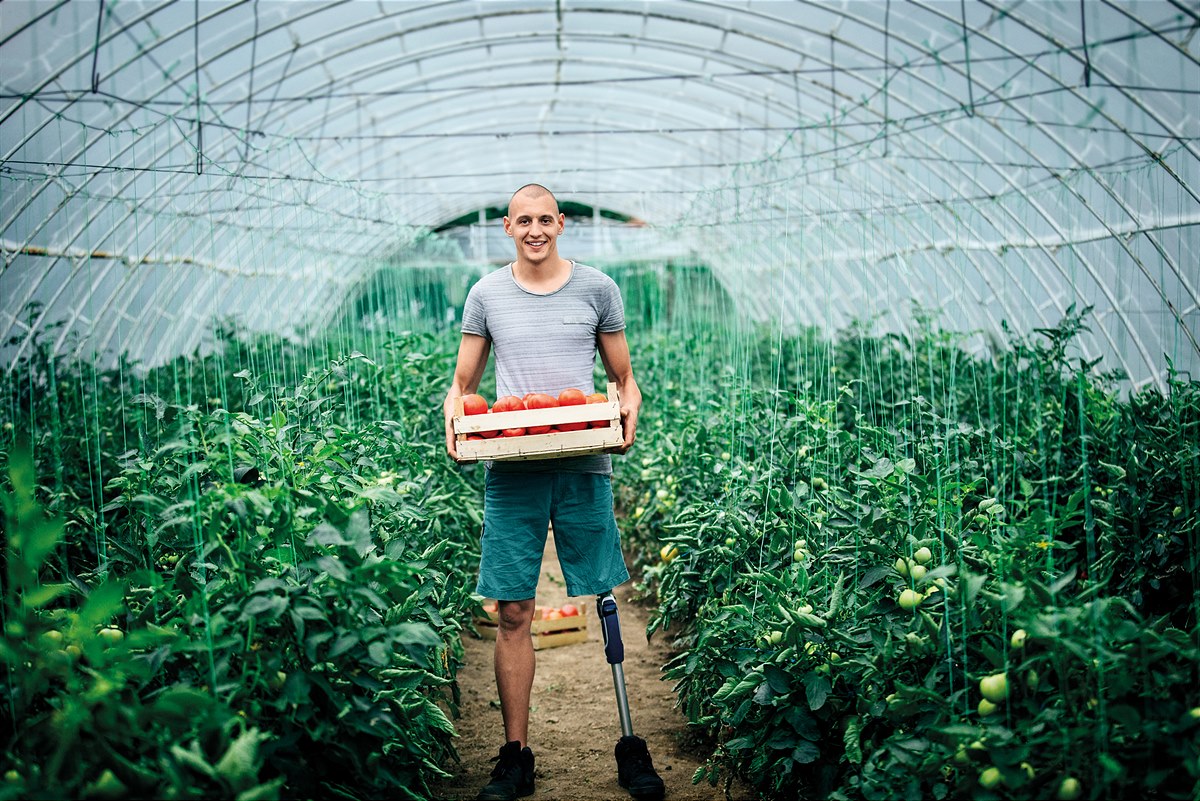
pixel 630 404
pixel 451 440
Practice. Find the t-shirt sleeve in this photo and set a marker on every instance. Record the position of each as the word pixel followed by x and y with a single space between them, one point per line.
pixel 474 321
pixel 611 308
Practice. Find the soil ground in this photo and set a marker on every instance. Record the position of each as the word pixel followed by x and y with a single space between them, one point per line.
pixel 573 711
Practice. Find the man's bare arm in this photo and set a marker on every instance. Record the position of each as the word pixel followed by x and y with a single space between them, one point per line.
pixel 614 353
pixel 473 354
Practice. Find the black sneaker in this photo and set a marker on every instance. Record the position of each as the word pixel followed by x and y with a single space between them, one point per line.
pixel 635 770
pixel 513 775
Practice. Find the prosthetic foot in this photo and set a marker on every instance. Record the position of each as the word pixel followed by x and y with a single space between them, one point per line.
pixel 635 769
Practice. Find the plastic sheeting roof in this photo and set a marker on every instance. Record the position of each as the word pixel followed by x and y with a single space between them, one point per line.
pixel 162 163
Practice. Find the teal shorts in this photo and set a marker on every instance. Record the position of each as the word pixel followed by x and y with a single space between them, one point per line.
pixel 518 508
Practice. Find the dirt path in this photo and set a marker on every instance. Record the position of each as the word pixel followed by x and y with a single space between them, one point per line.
pixel 573 720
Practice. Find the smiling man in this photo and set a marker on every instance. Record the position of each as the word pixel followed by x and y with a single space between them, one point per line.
pixel 546 318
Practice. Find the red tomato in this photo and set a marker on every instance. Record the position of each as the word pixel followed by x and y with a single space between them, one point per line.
pixel 570 610
pixel 572 397
pixel 598 397
pixel 509 403
pixel 474 404
pixel 540 400
pixel 554 614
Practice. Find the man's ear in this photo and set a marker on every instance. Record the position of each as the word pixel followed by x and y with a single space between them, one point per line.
pixel 507 226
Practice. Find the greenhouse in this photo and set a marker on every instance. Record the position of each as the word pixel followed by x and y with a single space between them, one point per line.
pixel 897 305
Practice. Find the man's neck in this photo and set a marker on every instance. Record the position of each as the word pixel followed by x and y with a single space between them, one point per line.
pixel 544 277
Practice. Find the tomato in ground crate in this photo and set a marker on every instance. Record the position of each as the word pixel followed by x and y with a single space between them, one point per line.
pixel 598 397
pixel 570 610
pixel 510 403
pixel 540 400
pixel 572 397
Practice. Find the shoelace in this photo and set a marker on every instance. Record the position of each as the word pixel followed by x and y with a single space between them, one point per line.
pixel 504 765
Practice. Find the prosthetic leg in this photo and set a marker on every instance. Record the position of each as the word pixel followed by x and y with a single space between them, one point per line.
pixel 635 769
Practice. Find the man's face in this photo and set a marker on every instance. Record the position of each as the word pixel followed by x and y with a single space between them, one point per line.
pixel 534 223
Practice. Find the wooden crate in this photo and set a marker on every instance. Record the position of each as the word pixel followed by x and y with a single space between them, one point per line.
pixel 545 633
pixel 556 444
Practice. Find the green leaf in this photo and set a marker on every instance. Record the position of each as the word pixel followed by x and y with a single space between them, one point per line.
pixel 267 607
pixel 239 764
pixel 805 753
pixel 817 689
pixel 267 791
pixel 851 739
pixel 102 603
pixel 40 596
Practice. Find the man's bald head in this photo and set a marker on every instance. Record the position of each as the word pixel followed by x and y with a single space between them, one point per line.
pixel 533 192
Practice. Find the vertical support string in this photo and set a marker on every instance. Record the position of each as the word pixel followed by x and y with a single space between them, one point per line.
pixel 833 102
pixel 887 72
pixel 967 50
pixel 250 92
pixel 196 72
pixel 1087 58
pixel 96 50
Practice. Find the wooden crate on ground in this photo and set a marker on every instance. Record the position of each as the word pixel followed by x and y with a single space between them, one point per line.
pixel 546 632
pixel 555 444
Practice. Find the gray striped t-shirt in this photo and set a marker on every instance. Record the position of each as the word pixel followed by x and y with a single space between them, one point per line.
pixel 545 343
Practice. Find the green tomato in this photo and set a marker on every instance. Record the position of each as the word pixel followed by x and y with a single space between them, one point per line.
pixel 805 609
pixel 917 572
pixel 923 555
pixel 1069 789
pixel 991 777
pixel 111 635
pixel 994 687
pixel 986 707
pixel 1018 639
pixel 961 757
pixel 1194 712
pixel 775 637
pixel 1031 680
pixel 798 555
pixel 12 776
pixel 910 599
pixel 730 540
pixel 902 566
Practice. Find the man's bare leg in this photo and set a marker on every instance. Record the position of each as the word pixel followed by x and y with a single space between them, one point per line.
pixel 515 663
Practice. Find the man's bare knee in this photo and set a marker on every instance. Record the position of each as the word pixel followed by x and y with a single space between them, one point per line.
pixel 515 617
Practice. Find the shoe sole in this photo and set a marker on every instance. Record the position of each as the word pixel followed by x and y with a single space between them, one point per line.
pixel 520 794
pixel 648 795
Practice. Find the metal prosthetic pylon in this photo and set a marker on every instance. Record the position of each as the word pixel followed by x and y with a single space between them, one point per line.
pixel 614 651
